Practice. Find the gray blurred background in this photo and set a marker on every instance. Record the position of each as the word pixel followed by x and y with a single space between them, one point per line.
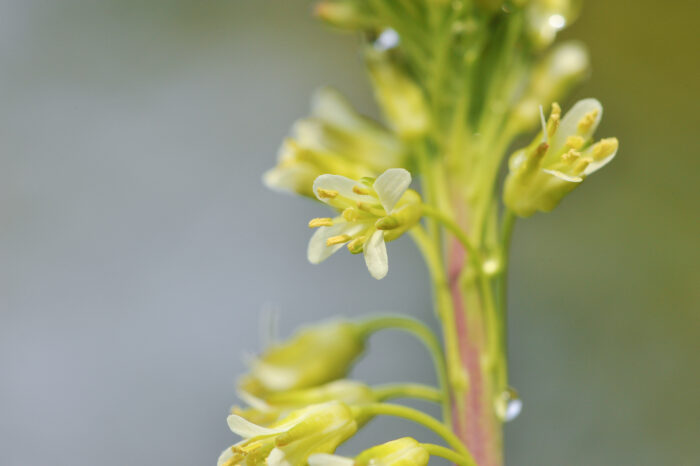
pixel 138 247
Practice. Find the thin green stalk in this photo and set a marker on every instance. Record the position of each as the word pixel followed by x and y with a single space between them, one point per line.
pixel 431 342
pixel 408 390
pixel 419 417
pixel 452 226
pixel 451 455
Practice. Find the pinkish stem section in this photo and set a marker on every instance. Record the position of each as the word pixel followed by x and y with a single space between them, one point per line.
pixel 475 420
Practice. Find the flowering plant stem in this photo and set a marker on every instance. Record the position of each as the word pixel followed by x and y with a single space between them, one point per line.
pixel 385 409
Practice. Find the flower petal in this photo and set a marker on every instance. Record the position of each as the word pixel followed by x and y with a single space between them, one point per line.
pixel 247 429
pixel 324 459
pixel 570 121
pixel 391 185
pixel 225 456
pixel 598 164
pixel 563 176
pixel 375 255
pixel 318 250
pixel 330 106
pixel 253 401
pixel 340 184
pixel 277 458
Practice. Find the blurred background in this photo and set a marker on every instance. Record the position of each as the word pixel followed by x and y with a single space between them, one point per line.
pixel 138 248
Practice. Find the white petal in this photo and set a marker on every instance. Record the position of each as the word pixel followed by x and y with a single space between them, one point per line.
pixel 595 166
pixel 253 401
pixel 292 178
pixel 391 185
pixel 277 458
pixel 341 184
pixel 569 124
pixel 247 429
pixel 375 255
pixel 225 456
pixel 330 106
pixel 324 459
pixel 318 250
pixel 564 176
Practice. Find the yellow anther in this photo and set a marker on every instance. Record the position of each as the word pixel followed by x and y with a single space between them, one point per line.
pixel 570 156
pixel 575 142
pixel 350 214
pixel 581 165
pixel 587 121
pixel 340 239
pixel 358 190
pixel 355 246
pixel 604 148
pixel 554 119
pixel 321 222
pixel 326 193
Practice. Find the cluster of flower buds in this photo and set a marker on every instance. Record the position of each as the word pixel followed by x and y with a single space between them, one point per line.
pixel 558 160
pixel 334 139
pixel 371 213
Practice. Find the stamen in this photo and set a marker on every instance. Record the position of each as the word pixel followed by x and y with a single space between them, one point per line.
pixel 340 239
pixel 587 121
pixel 355 246
pixel 581 165
pixel 604 148
pixel 575 142
pixel 350 214
pixel 321 222
pixel 570 156
pixel 358 190
pixel 326 193
pixel 554 119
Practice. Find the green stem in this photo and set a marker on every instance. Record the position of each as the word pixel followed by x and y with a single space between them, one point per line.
pixel 453 456
pixel 428 338
pixel 408 390
pixel 452 226
pixel 419 417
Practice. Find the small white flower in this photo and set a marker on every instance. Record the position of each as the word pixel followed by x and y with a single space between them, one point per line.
pixel 373 212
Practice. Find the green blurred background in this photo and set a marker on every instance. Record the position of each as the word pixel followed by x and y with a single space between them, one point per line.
pixel 139 250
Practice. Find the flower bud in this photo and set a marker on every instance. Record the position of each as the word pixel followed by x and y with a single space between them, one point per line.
pixel 544 18
pixel 401 452
pixel 345 14
pixel 565 66
pixel 401 99
pixel 314 356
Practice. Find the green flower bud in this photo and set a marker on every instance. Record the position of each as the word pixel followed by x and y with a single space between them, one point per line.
pixel 314 356
pixel 565 66
pixel 401 99
pixel 346 14
pixel 401 452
